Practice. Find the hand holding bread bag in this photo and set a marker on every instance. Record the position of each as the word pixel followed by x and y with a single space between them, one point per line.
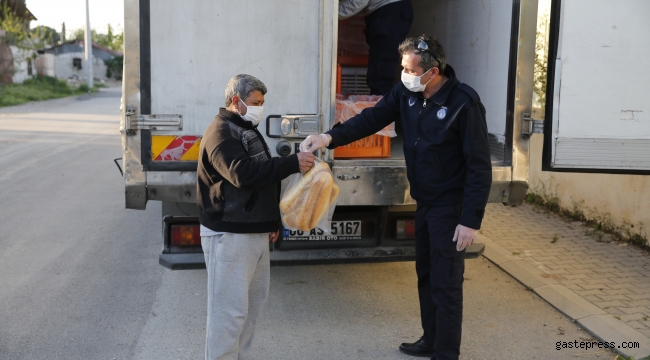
pixel 309 200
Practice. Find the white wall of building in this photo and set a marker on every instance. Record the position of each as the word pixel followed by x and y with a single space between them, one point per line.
pixel 22 58
pixel 62 66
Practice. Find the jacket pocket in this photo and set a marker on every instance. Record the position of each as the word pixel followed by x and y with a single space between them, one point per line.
pixel 441 167
pixel 252 201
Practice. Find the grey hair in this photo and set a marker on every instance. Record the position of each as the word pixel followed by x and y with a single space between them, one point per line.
pixel 242 85
pixel 427 60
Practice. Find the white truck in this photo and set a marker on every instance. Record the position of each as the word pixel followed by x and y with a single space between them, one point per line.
pixel 180 55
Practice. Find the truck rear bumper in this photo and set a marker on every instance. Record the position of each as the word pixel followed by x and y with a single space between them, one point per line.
pixel 316 256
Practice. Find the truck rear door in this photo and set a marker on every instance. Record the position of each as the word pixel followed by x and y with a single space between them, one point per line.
pixel 187 52
pixel 598 93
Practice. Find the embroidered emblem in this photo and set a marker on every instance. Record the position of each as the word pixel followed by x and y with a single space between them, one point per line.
pixel 411 101
pixel 442 113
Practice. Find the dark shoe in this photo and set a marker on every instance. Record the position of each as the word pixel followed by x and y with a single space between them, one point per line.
pixel 418 348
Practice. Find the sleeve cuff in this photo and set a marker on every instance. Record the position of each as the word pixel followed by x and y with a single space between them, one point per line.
pixel 472 220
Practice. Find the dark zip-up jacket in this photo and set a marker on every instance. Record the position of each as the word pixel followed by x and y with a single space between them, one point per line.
pixel 445 144
pixel 238 182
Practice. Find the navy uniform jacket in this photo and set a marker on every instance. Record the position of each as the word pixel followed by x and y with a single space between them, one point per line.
pixel 445 144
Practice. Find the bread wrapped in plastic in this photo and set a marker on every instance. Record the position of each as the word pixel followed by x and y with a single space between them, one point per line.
pixel 309 200
pixel 346 109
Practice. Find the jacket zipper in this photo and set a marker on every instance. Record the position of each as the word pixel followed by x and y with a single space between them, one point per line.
pixel 415 160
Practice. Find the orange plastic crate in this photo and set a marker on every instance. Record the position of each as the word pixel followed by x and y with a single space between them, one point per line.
pixel 373 146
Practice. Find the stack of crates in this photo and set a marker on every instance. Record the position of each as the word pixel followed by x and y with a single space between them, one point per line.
pixel 352 66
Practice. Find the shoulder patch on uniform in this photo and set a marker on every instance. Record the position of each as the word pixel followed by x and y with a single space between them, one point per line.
pixel 469 91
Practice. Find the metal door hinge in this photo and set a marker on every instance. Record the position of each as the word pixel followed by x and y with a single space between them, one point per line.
pixel 154 121
pixel 531 126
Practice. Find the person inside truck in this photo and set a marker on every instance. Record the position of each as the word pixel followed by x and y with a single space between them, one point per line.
pixel 238 186
pixel 449 169
pixel 387 24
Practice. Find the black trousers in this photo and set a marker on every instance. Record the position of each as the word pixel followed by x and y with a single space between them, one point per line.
pixel 440 271
pixel 386 28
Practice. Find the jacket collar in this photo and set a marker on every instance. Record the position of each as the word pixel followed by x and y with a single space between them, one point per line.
pixel 440 97
pixel 234 118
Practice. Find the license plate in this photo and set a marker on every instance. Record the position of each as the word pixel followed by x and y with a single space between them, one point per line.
pixel 339 230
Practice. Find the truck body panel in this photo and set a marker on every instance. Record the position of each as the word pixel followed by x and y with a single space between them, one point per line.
pixel 598 88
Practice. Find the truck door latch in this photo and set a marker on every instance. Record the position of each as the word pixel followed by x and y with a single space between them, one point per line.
pixel 163 122
pixel 347 177
pixel 531 126
pixel 294 126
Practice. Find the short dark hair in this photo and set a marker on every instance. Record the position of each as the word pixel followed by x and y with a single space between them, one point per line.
pixel 434 57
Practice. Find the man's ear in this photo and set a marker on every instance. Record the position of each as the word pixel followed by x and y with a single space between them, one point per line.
pixel 435 71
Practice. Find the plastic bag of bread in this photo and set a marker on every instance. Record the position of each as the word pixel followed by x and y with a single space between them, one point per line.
pixel 346 109
pixel 309 200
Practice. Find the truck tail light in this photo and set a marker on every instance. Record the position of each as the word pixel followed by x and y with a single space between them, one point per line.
pixel 405 229
pixel 186 235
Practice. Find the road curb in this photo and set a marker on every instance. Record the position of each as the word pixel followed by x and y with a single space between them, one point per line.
pixel 593 319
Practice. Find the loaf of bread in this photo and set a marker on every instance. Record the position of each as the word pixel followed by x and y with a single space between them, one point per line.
pixel 308 201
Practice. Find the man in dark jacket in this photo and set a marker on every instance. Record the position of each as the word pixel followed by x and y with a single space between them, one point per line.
pixel 387 24
pixel 450 172
pixel 238 188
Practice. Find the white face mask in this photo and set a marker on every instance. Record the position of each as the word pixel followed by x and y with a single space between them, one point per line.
pixel 412 82
pixel 254 114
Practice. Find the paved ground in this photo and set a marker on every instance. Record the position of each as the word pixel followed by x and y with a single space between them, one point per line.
pixel 614 278
pixel 364 311
pixel 78 272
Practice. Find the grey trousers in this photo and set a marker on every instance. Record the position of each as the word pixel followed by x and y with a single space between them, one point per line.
pixel 238 285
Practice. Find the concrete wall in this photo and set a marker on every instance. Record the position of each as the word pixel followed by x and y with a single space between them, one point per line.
pixel 45 65
pixel 63 67
pixel 21 64
pixel 60 66
pixel 625 197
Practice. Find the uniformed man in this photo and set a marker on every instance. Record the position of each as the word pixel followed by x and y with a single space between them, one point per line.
pixel 448 166
pixel 387 24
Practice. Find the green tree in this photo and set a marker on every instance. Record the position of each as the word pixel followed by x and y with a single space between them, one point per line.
pixel 43 36
pixel 111 39
pixel 114 67
pixel 13 31
pixel 541 60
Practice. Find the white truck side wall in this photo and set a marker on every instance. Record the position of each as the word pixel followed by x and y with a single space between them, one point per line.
pixel 196 51
pixel 603 116
pixel 476 37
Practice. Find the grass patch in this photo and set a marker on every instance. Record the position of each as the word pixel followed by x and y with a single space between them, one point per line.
pixel 40 88
pixel 598 224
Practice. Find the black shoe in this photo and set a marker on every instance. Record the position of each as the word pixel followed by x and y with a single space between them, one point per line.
pixel 418 348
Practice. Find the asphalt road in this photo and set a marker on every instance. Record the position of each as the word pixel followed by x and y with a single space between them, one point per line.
pixel 79 277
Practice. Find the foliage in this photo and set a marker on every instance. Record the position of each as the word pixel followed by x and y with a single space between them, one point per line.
pixel 541 59
pixel 114 67
pixel 14 27
pixel 110 40
pixel 43 36
pixel 39 88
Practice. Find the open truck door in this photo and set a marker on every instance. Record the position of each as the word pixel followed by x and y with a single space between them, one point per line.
pixel 179 56
pixel 598 88
pixel 491 45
